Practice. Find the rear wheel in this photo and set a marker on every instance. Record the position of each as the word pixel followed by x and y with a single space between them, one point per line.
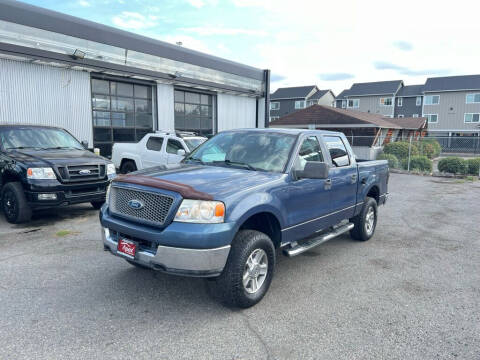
pixel 128 166
pixel 14 203
pixel 366 221
pixel 249 270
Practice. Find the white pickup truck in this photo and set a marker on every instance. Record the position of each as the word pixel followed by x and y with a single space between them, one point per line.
pixel 159 148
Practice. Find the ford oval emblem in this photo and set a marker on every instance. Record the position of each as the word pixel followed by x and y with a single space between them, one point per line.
pixel 136 204
pixel 84 172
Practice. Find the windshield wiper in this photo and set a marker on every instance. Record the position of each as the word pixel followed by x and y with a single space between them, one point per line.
pixel 236 163
pixel 195 160
pixel 22 147
pixel 60 147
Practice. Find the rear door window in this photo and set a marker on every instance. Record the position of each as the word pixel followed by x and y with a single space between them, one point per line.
pixel 155 143
pixel 338 151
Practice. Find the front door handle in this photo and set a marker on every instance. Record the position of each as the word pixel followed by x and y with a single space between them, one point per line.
pixel 328 184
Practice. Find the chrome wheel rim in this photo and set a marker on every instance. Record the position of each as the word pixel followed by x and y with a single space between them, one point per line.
pixel 370 221
pixel 255 272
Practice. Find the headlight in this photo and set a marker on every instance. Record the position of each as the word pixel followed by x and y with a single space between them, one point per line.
pixel 111 169
pixel 199 211
pixel 41 173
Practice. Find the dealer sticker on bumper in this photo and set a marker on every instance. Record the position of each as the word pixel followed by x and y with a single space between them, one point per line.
pixel 127 248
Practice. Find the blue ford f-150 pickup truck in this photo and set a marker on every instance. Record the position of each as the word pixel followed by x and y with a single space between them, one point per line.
pixel 233 201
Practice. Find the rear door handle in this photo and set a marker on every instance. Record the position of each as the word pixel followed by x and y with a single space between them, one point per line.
pixel 354 178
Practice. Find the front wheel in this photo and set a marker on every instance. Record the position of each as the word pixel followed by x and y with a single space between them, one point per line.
pixel 128 166
pixel 249 270
pixel 365 222
pixel 14 203
pixel 97 204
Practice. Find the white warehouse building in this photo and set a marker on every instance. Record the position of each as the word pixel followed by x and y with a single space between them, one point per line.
pixel 106 85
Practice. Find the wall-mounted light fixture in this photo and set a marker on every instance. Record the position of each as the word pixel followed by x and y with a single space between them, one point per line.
pixel 78 54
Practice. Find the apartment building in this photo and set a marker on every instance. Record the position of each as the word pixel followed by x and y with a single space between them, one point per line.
pixel 371 97
pixel 452 105
pixel 286 100
pixel 409 101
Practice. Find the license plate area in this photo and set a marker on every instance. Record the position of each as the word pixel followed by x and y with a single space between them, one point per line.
pixel 127 248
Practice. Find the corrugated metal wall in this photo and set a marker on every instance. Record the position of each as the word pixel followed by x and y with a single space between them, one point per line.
pixel 235 112
pixel 165 107
pixel 41 94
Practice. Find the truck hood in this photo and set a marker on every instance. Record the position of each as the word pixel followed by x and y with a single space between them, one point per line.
pixel 52 158
pixel 218 181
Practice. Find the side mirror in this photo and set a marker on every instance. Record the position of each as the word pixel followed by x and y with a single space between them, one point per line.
pixel 313 170
pixel 181 152
pixel 85 144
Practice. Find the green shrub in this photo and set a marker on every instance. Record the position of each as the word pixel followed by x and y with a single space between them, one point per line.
pixel 473 166
pixel 418 162
pixel 400 149
pixel 392 160
pixel 429 147
pixel 454 165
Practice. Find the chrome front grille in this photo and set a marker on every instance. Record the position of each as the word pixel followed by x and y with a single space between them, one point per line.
pixel 154 210
pixel 77 173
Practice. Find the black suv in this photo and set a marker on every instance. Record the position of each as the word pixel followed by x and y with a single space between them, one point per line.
pixel 43 167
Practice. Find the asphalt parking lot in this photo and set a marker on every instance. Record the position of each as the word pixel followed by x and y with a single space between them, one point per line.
pixel 411 292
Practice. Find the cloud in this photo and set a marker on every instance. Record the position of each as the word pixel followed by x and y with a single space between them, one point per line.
pixel 187 42
pixel 335 76
pixel 196 3
pixel 403 45
pixel 133 20
pixel 384 65
pixel 84 3
pixel 276 77
pixel 214 30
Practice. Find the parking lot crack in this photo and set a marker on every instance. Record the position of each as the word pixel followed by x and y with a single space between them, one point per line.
pixel 257 335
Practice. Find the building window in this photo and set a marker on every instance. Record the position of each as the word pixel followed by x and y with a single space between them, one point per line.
pixel 401 116
pixel 194 112
pixel 273 118
pixel 473 98
pixel 353 103
pixel 415 115
pixel 344 104
pixel 121 112
pixel 432 118
pixel 418 101
pixel 471 118
pixel 432 100
pixel 386 101
pixel 400 101
pixel 300 104
pixel 275 106
pixel 311 102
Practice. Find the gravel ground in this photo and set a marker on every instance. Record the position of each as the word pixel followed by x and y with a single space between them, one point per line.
pixel 411 292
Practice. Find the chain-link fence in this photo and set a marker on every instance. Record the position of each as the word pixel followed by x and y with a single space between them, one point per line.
pixel 420 153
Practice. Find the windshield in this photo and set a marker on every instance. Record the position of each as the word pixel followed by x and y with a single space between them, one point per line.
pixel 193 143
pixel 265 151
pixel 37 138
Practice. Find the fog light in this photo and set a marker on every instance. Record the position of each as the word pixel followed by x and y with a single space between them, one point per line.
pixel 47 196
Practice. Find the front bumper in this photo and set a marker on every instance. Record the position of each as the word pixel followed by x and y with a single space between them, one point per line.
pixel 66 194
pixel 178 261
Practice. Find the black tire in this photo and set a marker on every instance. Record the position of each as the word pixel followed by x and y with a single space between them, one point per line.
pixel 229 286
pixel 97 204
pixel 14 203
pixel 128 166
pixel 360 232
pixel 140 266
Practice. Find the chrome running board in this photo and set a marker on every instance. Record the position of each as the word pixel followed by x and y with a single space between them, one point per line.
pixel 300 248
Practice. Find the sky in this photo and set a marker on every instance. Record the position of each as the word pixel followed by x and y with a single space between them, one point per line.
pixel 331 44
